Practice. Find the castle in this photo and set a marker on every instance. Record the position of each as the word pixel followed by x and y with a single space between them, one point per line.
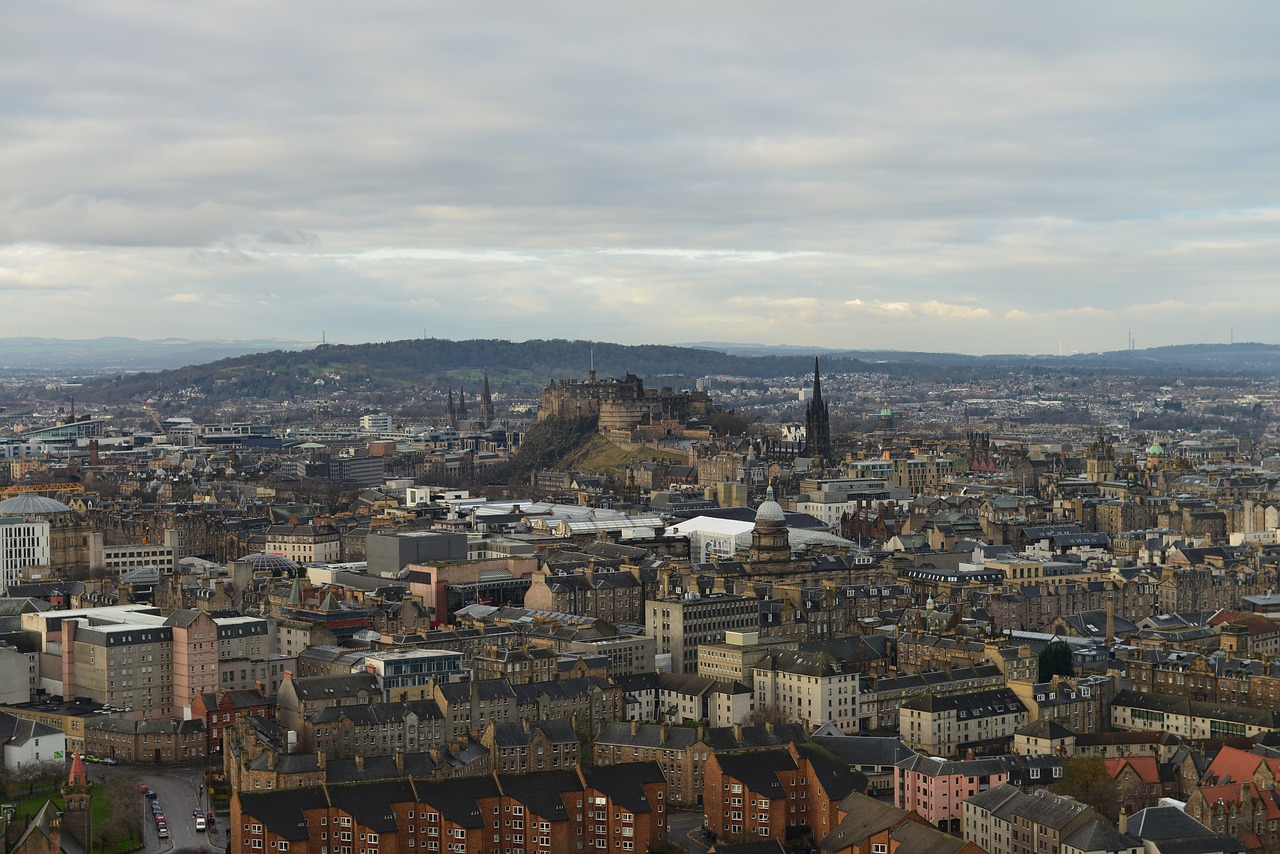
pixel 620 404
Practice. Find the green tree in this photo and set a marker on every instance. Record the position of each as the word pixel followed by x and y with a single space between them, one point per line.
pixel 1086 779
pixel 1055 660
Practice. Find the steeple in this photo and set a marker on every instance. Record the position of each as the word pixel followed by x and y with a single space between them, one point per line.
pixel 817 426
pixel 486 402
pixel 462 404
pixel 452 412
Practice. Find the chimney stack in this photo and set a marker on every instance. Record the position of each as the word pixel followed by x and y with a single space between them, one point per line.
pixel 1111 621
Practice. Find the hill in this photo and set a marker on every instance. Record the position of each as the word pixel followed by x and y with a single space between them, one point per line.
pixel 525 367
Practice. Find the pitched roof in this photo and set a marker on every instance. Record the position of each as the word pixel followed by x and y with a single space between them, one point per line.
pixel 864 816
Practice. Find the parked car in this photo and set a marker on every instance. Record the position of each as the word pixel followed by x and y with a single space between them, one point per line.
pixel 200 824
pixel 108 761
pixel 163 833
pixel 152 794
pixel 144 788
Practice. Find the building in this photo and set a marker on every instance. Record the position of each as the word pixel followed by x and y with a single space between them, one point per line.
pixel 936 789
pixel 948 726
pixel 305 543
pixel 29 742
pixel 868 826
pixel 220 710
pixel 23 543
pixel 809 688
pixel 680 625
pixel 682 752
pixel 155 742
pixel 762 794
pixel 619 808
pixel 1008 820
pixel 406 674
pixel 1189 719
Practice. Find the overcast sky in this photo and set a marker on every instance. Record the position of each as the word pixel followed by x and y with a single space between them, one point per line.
pixel 976 177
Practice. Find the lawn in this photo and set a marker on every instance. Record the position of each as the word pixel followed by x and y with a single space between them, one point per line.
pixel 29 805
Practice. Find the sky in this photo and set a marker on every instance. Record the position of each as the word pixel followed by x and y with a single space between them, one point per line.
pixel 972 177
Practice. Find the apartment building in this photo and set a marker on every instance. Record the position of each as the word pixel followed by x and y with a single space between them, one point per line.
pixel 304 544
pixel 1008 820
pixel 1189 719
pixel 682 752
pixel 936 789
pixel 947 726
pixel 809 688
pixel 759 794
pixel 882 696
pixel 132 657
pixel 619 808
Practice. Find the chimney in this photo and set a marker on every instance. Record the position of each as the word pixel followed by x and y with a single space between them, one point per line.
pixel 261 690
pixel 1111 621
pixel 1124 819
pixel 321 759
pixel 288 675
pixel 635 727
pixel 400 761
pixel 701 730
pixel 768 727
pixel 737 733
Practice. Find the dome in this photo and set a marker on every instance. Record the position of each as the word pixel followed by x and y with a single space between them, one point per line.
pixel 1156 450
pixel 275 564
pixel 886 412
pixel 30 504
pixel 770 510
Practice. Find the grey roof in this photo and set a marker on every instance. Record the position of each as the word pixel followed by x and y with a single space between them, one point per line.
pixel 864 817
pixel 855 750
pixel 1099 835
pixel 334 687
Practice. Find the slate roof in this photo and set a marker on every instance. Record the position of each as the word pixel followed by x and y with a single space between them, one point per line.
pixel 864 817
pixel 334 687
pixel 915 838
pixel 541 792
pixel 623 784
pixel 457 799
pixel 282 811
pixel 883 752
pixel 758 770
pixel 369 804
pixel 1099 835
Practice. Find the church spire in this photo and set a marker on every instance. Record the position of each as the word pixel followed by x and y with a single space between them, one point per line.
pixel 486 402
pixel 817 418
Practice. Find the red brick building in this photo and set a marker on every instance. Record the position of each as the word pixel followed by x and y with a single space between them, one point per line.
pixel 781 793
pixel 222 709
pixel 618 808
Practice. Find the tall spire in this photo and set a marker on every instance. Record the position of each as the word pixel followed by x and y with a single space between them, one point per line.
pixel 817 426
pixel 486 402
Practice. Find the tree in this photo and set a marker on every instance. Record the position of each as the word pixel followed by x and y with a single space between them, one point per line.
pixel 1086 779
pixel 1055 660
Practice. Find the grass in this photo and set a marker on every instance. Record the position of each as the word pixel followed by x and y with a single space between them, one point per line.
pixel 29 805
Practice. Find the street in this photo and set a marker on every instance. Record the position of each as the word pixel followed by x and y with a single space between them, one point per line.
pixel 179 792
pixel 685 829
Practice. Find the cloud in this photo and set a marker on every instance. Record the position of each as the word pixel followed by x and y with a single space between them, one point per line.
pixel 569 170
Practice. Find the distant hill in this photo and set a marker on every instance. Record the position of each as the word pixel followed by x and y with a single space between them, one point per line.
pixel 526 366
pixel 98 356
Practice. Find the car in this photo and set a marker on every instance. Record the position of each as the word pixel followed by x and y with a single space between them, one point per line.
pixel 197 812
pixel 163 832
pixel 108 761
pixel 144 788
pixel 200 823
pixel 151 793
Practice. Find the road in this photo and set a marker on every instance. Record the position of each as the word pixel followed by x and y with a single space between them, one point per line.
pixel 685 830
pixel 178 791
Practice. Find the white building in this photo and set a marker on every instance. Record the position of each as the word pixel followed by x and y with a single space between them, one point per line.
pixel 808 688
pixel 30 742
pixel 23 543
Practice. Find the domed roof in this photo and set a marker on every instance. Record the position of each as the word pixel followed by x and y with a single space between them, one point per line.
pixel 886 412
pixel 273 563
pixel 30 504
pixel 770 510
pixel 1156 449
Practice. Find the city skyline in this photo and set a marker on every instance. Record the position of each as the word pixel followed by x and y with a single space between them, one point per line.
pixel 992 178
